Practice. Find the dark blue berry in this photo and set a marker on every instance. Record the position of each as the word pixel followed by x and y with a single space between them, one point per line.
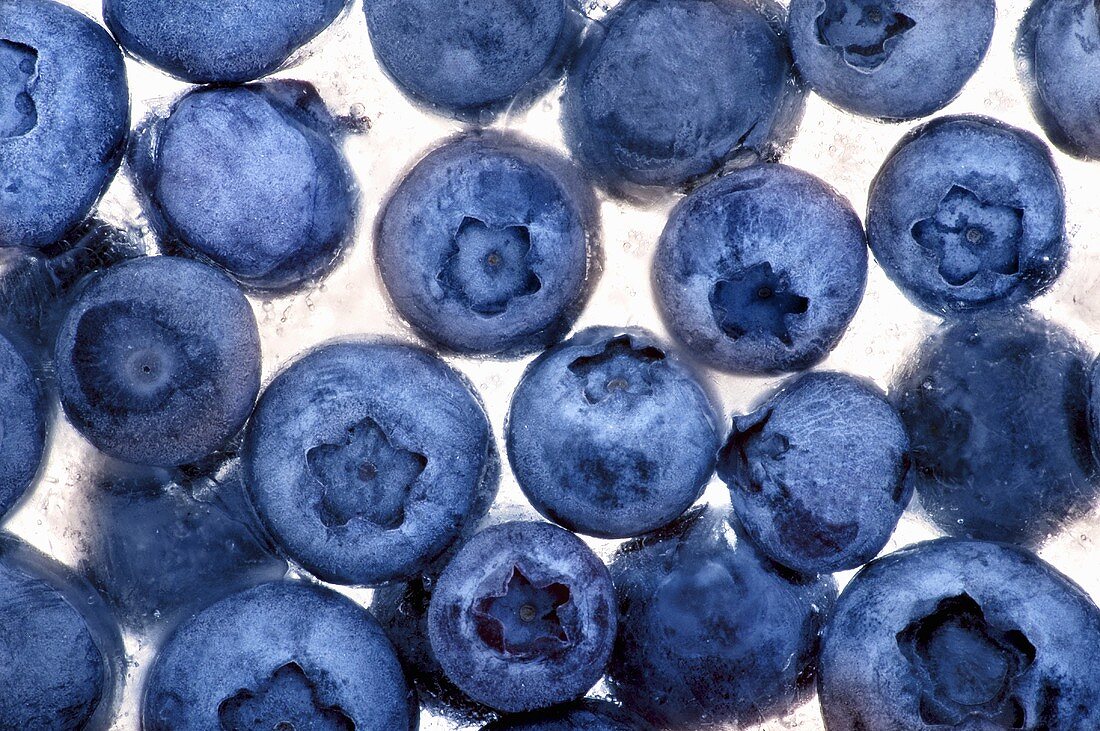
pixel 22 425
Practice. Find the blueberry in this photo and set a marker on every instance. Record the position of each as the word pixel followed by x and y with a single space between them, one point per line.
pixel 610 434
pixel 366 460
pixel 819 474
pixel 894 59
pixel 64 117
pixel 665 91
pixel 996 407
pixel 474 56
pixel 968 212
pixel 484 246
pixel 711 632
pixel 762 270
pixel 22 425
pixel 523 617
pixel 217 41
pixel 251 179
pixel 588 715
pixel 158 361
pixel 961 634
pixel 283 655
pixel 61 651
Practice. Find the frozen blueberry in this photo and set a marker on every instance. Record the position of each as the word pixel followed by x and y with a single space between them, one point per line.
pixel 61 651
pixel 523 617
pixel 968 212
pixel 366 460
pixel 22 425
pixel 712 634
pixel 484 246
pixel 666 91
pixel 158 361
pixel 996 407
pixel 1059 43
pixel 64 117
pixel 589 715
pixel 893 59
pixel 610 434
pixel 251 179
pixel 819 474
pixel 283 655
pixel 961 634
pixel 762 270
pixel 477 55
pixel 217 41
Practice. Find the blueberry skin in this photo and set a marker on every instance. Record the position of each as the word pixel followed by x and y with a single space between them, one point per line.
pixel 966 213
pixel 819 474
pixel 523 617
pixel 62 651
pixel 217 41
pixel 475 56
pixel 761 270
pixel 22 425
pixel 283 654
pixel 712 634
pixel 252 180
pixel 961 634
pixel 666 91
pixel 610 434
pixel 365 461
pixel 892 59
pixel 996 407
pixel 588 715
pixel 64 117
pixel 158 361
pixel 485 246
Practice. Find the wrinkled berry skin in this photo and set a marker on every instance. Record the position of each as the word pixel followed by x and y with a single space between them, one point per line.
pixel 588 715
pixel 252 180
pixel 996 407
pixel 472 57
pixel 610 434
pixel 62 652
pixel 279 655
pixel 961 634
pixel 523 617
pixel 761 270
pixel 64 117
pixel 666 91
pixel 891 59
pixel 217 41
pixel 22 425
pixel 487 244
pixel 712 634
pixel 158 361
pixel 819 474
pixel 365 461
pixel 1059 44
pixel 968 212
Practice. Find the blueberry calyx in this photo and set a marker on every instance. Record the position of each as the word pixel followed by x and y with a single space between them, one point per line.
pixel 18 75
pixel 619 368
pixel 488 266
pixel 521 621
pixel 862 30
pixel 756 299
pixel 286 700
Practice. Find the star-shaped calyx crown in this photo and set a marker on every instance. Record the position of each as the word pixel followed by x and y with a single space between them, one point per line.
pixel 522 620
pixel 619 368
pixel 286 700
pixel 862 31
pixel 488 267
pixel 756 300
pixel 18 74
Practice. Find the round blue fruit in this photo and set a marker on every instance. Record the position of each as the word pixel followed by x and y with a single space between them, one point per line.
pixel 711 633
pixel 761 270
pixel 968 212
pixel 486 245
pixel 217 41
pixel 158 361
pixel 588 715
pixel 22 425
pixel 280 655
pixel 610 434
pixel 474 56
pixel 64 118
pixel 997 411
pixel 523 617
pixel 252 180
pixel 819 474
pixel 666 91
pixel 961 634
pixel 365 461
pixel 892 59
